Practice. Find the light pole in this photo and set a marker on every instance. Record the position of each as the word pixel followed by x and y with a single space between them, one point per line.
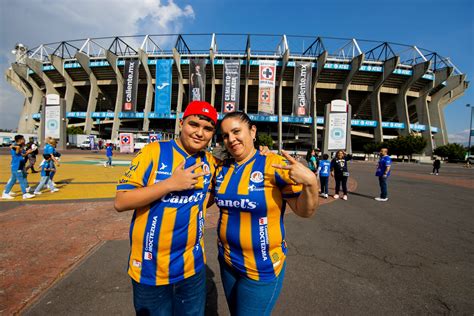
pixel 470 129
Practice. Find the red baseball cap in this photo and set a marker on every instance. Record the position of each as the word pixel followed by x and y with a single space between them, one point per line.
pixel 201 108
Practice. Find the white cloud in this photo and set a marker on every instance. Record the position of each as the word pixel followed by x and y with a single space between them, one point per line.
pixel 461 137
pixel 35 22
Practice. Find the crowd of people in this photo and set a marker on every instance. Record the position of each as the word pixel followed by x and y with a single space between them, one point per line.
pixel 23 153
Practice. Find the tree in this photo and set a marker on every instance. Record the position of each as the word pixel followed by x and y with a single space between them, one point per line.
pixel 73 130
pixel 406 145
pixel 265 140
pixel 370 148
pixel 451 151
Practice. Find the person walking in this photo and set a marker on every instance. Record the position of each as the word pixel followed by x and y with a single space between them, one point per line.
pixel 166 185
pixel 17 168
pixel 324 171
pixel 383 172
pixel 31 156
pixel 340 172
pixel 109 153
pixel 251 192
pixel 46 168
pixel 436 166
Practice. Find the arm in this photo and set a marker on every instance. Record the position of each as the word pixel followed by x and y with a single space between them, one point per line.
pixel 387 169
pixel 307 202
pixel 182 179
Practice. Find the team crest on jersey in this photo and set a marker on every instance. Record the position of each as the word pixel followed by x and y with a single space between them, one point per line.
pixel 205 168
pixel 256 177
pixel 137 264
pixel 147 255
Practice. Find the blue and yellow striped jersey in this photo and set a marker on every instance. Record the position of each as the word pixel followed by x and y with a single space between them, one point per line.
pixel 166 237
pixel 251 199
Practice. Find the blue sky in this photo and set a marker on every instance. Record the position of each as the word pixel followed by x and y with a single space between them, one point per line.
pixel 446 27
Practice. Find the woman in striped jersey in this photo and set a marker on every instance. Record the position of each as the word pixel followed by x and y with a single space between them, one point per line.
pixel 251 191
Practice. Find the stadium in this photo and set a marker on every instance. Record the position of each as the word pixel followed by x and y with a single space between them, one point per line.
pixel 393 89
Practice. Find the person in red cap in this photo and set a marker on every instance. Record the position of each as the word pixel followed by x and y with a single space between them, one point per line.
pixel 167 185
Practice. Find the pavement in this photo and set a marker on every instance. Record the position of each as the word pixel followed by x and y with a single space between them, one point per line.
pixel 66 252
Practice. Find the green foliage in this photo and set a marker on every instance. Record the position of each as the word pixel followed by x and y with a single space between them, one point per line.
pixel 406 145
pixel 451 151
pixel 265 140
pixel 370 148
pixel 74 130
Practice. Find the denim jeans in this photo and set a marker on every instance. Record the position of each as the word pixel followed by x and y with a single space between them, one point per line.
pixel 324 184
pixel 186 297
pixel 247 297
pixel 44 181
pixel 20 176
pixel 109 160
pixel 383 187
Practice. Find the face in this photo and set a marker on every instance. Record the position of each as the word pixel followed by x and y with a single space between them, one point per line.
pixel 383 152
pixel 238 138
pixel 340 154
pixel 21 141
pixel 195 133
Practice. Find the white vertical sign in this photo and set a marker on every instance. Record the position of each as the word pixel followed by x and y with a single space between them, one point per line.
pixel 337 131
pixel 52 115
pixel 266 86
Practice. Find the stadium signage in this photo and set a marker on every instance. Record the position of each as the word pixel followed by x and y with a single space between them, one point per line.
pixel 230 97
pixel 163 86
pixel 302 88
pixel 197 79
pixel 266 88
pixel 130 88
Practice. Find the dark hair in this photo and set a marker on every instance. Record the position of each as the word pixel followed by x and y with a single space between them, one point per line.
pixel 337 152
pixel 19 137
pixel 46 156
pixel 243 117
pixel 309 154
pixel 202 117
pixel 325 157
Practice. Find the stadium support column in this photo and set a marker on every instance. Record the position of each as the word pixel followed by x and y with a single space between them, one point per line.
pixel 401 100
pixel 71 91
pixel 286 55
pixel 26 122
pixel 247 73
pixel 37 67
pixel 179 106
pixel 213 76
pixel 376 108
pixel 421 104
pixel 84 60
pixel 149 89
pixel 321 61
pixel 436 109
pixel 33 103
pixel 112 59
pixel 355 65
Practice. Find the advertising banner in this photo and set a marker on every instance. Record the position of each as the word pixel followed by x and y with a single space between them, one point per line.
pixel 197 80
pixel 338 106
pixel 130 86
pixel 52 115
pixel 266 87
pixel 126 142
pixel 231 86
pixel 163 86
pixel 337 131
pixel 302 88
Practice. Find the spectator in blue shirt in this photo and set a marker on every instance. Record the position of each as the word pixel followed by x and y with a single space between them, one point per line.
pixel 109 153
pixel 324 171
pixel 46 168
pixel 383 172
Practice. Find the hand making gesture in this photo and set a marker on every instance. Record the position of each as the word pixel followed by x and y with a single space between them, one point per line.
pixel 185 179
pixel 297 171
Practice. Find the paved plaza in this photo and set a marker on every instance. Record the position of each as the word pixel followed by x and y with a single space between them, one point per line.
pixel 66 252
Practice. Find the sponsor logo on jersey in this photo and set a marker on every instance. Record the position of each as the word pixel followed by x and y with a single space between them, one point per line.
pixel 148 255
pixel 263 236
pixel 256 177
pixel 220 178
pixel 163 166
pixel 136 264
pixel 162 170
pixel 245 204
pixel 150 236
pixel 254 188
pixel 182 199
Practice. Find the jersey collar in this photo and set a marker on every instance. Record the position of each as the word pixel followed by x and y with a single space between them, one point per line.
pixel 181 150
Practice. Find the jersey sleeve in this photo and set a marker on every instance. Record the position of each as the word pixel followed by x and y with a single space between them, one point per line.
pixel 288 188
pixel 138 173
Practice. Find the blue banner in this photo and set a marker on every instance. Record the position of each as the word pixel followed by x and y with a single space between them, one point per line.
pixel 163 86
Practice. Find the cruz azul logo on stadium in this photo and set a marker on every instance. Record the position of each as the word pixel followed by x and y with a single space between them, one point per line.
pixel 263 236
pixel 150 237
pixel 256 177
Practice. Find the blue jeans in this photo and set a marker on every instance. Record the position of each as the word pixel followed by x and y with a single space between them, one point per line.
pixel 20 176
pixel 44 181
pixel 324 184
pixel 249 297
pixel 383 187
pixel 109 160
pixel 186 297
